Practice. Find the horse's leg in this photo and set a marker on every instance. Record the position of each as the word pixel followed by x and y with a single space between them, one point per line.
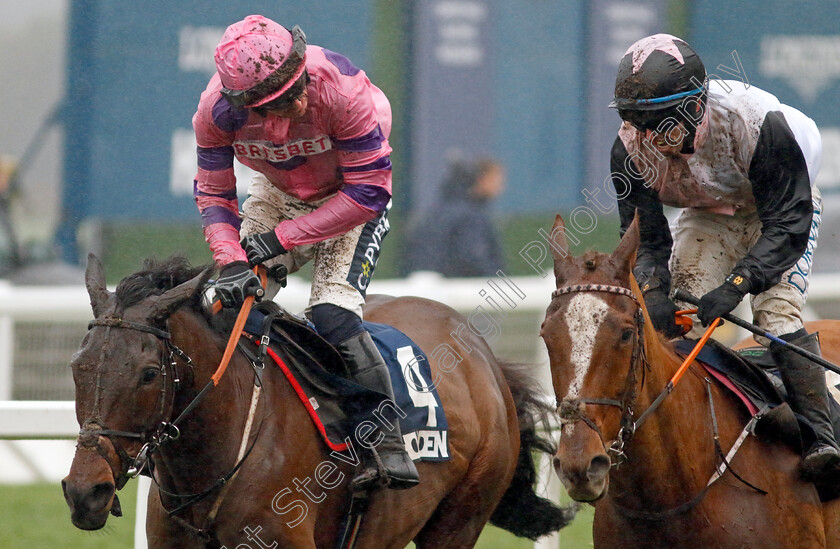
pixel 395 516
pixel 462 515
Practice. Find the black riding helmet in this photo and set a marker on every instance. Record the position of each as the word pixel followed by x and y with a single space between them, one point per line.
pixel 657 76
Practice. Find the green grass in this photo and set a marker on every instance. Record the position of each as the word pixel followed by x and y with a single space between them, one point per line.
pixel 125 246
pixel 35 517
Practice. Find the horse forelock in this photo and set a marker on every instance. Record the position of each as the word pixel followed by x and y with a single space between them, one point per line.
pixel 156 278
pixel 580 315
pixel 591 268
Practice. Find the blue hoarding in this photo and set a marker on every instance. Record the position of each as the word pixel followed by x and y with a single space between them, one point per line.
pixel 136 70
pixel 790 49
pixel 540 88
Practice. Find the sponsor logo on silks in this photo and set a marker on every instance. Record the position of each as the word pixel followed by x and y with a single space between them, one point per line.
pixel 367 252
pixel 799 274
pixel 271 152
pixel 426 444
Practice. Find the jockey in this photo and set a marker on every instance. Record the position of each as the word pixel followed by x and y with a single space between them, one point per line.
pixel 315 130
pixel 742 166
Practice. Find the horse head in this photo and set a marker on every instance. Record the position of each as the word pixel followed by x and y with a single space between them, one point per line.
pixel 123 374
pixel 592 333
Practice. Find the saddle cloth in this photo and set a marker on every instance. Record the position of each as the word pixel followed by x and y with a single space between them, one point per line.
pixel 337 405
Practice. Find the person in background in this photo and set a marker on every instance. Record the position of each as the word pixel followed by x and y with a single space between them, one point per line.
pixel 316 130
pixel 456 235
pixel 742 166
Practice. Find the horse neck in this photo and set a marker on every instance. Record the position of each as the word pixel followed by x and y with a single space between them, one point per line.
pixel 671 455
pixel 219 416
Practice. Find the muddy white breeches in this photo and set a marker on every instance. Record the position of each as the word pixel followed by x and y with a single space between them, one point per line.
pixel 706 248
pixel 342 265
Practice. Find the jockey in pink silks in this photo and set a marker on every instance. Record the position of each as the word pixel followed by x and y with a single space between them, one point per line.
pixel 315 130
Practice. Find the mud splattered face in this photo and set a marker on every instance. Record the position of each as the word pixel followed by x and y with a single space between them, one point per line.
pixel 644 120
pixel 673 131
pixel 292 103
pixel 668 139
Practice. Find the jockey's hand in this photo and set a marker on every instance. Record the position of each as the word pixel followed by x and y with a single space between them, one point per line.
pixel 662 312
pixel 722 299
pixel 262 247
pixel 236 281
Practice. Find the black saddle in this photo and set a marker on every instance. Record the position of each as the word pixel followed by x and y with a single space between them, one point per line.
pixel 317 367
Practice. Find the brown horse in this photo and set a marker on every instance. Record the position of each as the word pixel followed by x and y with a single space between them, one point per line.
pixel 648 483
pixel 153 346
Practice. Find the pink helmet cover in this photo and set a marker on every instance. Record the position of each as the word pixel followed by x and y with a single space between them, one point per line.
pixel 251 51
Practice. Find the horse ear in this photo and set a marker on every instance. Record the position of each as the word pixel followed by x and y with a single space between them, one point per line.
pixel 625 254
pixel 164 305
pixel 559 248
pixel 100 297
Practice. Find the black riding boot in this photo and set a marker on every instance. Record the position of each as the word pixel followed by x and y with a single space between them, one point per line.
pixel 808 396
pixel 369 370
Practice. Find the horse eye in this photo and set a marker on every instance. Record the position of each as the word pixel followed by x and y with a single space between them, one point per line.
pixel 149 375
pixel 626 335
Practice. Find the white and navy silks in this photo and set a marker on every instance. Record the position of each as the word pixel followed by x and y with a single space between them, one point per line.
pixel 749 202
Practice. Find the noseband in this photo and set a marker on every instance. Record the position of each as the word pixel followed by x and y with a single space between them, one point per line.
pixel 571 410
pixel 166 430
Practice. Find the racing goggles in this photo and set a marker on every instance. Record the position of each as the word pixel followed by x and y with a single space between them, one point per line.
pixel 291 67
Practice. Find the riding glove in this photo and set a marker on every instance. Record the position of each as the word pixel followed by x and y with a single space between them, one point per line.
pixel 262 247
pixel 722 299
pixel 662 312
pixel 235 282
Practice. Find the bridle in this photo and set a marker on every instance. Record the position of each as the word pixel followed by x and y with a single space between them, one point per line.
pixel 571 410
pixel 166 430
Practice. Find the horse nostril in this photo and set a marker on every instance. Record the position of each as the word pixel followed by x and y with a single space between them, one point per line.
pixel 99 496
pixel 598 468
pixel 67 497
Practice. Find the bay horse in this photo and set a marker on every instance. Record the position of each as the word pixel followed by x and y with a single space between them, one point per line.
pixel 154 344
pixel 649 482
